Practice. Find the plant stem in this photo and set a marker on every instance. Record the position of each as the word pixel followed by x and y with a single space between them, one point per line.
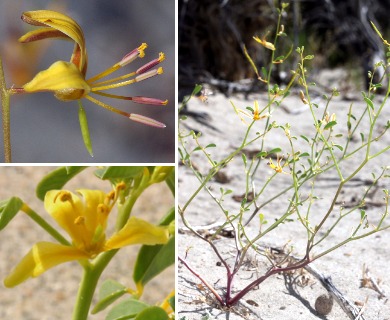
pixel 5 94
pixel 84 295
pixel 44 224
pixel 88 285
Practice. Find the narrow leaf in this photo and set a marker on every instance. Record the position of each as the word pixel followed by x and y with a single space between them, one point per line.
pixel 330 125
pixel 170 181
pixel 275 150
pixel 56 180
pixel 8 209
pixel 152 260
pixel 369 102
pixel 114 172
pixel 243 156
pixel 152 313
pixel 172 302
pixel 110 291
pixel 126 309
pixel 168 218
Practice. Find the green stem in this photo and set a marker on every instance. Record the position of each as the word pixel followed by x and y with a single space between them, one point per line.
pixel 88 284
pixel 85 294
pixel 44 225
pixel 5 94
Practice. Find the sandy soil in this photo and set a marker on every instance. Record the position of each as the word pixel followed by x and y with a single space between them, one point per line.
pixel 51 295
pixel 281 296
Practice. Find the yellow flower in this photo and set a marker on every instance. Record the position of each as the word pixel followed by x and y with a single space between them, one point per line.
pixel 278 167
pixel 67 79
pixel 85 221
pixel 255 113
pixel 265 43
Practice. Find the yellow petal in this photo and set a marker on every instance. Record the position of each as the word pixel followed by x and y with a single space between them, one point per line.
pixel 43 256
pixel 80 219
pixel 66 25
pixel 62 78
pixel 43 33
pixel 138 231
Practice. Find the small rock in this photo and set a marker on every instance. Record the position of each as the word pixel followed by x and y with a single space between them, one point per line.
pixel 324 304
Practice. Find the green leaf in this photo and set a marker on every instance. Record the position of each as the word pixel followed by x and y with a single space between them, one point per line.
pixel 84 129
pixel 264 72
pixel 262 219
pixel 110 291
pixel 126 309
pixel 122 172
pixel 8 209
pixel 152 260
pixel 172 302
pixel 243 156
pixel 211 145
pixel 275 150
pixel 228 191
pixel 330 125
pixel 56 180
pixel 170 181
pixel 339 147
pixel 261 154
pixel 168 218
pixel 196 90
pixel 152 313
pixel 369 102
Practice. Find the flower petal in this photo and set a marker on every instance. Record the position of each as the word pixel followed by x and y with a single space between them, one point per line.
pixel 138 231
pixel 43 33
pixel 42 256
pixel 67 26
pixel 61 77
pixel 80 219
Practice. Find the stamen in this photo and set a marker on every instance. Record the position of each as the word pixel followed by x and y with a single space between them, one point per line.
pixel 115 79
pixel 108 107
pixel 63 196
pixel 139 78
pixel 138 52
pixel 151 64
pixel 130 57
pixel 115 85
pixel 152 101
pixel 104 73
pixel 145 120
pixel 149 74
pixel 141 100
pixel 131 116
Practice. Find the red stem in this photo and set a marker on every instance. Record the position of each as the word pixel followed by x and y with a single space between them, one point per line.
pixel 269 273
pixel 217 296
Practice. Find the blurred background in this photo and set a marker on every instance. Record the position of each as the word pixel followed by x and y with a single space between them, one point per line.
pixel 46 130
pixel 212 36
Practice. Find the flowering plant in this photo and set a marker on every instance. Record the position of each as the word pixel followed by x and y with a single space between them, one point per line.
pixel 85 217
pixel 67 80
pixel 279 169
